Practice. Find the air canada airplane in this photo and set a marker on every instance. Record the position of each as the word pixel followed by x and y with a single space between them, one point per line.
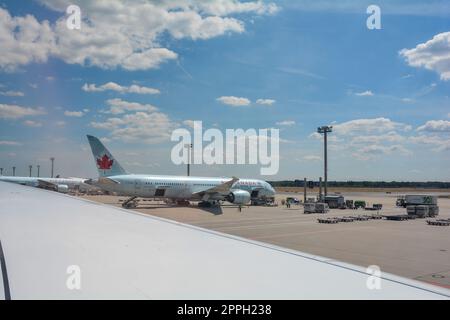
pixel 57 184
pixel 113 178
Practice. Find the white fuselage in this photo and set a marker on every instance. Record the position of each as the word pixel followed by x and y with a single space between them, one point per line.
pixel 179 187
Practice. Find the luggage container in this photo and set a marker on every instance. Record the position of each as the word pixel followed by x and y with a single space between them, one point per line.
pixel 422 211
pixel 335 201
pixel 322 207
pixel 309 208
pixel 411 210
pixel 433 211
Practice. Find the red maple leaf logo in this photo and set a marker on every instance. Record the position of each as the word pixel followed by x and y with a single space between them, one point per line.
pixel 104 162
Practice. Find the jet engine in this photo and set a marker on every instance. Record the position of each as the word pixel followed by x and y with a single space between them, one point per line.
pixel 238 197
pixel 63 188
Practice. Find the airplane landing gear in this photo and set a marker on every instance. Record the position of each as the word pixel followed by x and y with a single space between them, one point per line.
pixel 130 203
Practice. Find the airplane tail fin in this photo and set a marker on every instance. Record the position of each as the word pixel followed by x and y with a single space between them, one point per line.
pixel 104 160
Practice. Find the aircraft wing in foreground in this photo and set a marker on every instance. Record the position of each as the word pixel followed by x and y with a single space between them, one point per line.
pixel 60 247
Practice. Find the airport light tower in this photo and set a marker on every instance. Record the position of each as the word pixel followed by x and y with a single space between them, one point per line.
pixel 14 171
pixel 52 159
pixel 325 130
pixel 31 168
pixel 189 147
pixel 1 171
pixel 38 169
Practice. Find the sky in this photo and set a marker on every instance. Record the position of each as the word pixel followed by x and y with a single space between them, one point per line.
pixel 137 70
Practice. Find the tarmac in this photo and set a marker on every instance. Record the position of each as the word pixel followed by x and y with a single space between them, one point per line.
pixel 411 248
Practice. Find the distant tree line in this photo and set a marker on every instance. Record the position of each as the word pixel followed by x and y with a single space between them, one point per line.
pixel 365 184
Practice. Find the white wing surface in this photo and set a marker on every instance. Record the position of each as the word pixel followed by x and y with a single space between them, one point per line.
pixel 48 237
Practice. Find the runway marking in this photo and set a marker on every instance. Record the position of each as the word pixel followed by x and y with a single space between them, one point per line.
pixel 4 274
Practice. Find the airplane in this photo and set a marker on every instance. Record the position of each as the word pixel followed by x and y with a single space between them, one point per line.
pixel 55 246
pixel 56 184
pixel 206 190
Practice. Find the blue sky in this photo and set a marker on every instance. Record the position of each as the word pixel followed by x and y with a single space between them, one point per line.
pixel 316 62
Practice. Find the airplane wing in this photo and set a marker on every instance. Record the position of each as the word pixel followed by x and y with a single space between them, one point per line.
pixel 105 180
pixel 100 181
pixel 221 189
pixel 56 246
pixel 46 184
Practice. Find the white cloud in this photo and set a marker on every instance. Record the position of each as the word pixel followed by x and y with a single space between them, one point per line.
pixel 366 93
pixel 12 93
pixel 369 125
pixel 435 126
pixel 145 127
pixel 9 143
pixel 119 33
pixel 118 88
pixel 366 139
pixel 234 101
pixel 330 138
pixel 372 151
pixel 189 123
pixel 312 158
pixel 226 7
pixel 315 135
pixel 24 40
pixel 286 123
pixel 440 143
pixel 60 123
pixel 31 123
pixel 267 102
pixel 409 8
pixel 77 114
pixel 8 111
pixel 376 139
pixel 118 106
pixel 432 55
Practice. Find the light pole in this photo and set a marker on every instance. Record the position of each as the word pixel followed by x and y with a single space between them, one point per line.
pixel 304 190
pixel 1 171
pixel 325 130
pixel 320 189
pixel 31 168
pixel 189 147
pixel 52 159
pixel 14 171
pixel 38 167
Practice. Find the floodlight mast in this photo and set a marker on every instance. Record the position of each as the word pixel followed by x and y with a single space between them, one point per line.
pixel 325 130
pixel 189 148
